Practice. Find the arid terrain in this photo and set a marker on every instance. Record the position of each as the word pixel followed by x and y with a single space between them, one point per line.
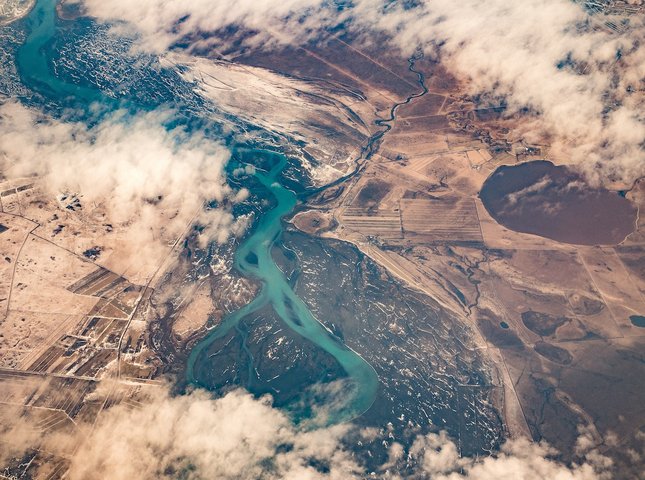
pixel 390 153
pixel 557 318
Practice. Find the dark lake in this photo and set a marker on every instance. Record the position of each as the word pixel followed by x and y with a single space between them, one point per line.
pixel 638 320
pixel 555 202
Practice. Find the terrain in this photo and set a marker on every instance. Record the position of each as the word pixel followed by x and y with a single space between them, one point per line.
pixel 14 9
pixel 371 257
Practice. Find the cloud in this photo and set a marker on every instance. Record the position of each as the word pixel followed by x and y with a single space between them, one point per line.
pixel 134 171
pixel 161 24
pixel 582 83
pixel 536 53
pixel 17 433
pixel 517 460
pixel 513 197
pixel 195 436
pixel 238 436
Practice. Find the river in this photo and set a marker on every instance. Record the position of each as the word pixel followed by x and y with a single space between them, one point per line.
pixel 253 257
pixel 34 65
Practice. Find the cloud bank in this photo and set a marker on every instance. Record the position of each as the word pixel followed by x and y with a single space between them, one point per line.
pixel 583 84
pixel 195 436
pixel 161 24
pixel 133 171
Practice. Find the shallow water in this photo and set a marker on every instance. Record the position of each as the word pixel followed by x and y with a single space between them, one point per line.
pixel 253 258
pixel 638 320
pixel 34 65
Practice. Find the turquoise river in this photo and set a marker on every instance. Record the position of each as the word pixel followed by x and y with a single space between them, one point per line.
pixel 253 257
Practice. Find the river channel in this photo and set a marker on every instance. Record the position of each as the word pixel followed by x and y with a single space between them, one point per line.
pixel 253 257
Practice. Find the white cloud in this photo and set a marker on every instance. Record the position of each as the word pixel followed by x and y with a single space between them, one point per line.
pixel 196 436
pixel 17 433
pixel 513 50
pixel 162 23
pixel 517 460
pixel 439 455
pixel 240 437
pixel 510 49
pixel 150 179
pixel 591 108
pixel 234 437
